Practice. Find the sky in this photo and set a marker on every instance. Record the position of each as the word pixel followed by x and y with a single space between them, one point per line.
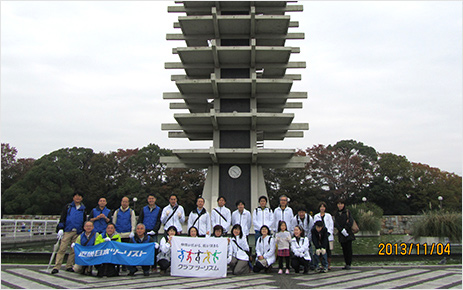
pixel 91 74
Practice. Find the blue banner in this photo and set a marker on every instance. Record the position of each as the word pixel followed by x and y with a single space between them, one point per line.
pixel 115 253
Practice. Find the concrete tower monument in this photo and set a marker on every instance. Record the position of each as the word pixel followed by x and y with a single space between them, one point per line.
pixel 235 90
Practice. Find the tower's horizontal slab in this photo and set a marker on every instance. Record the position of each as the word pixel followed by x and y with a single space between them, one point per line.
pixel 202 106
pixel 269 25
pixel 202 128
pixel 234 86
pixel 261 7
pixel 219 120
pixel 268 97
pixel 201 158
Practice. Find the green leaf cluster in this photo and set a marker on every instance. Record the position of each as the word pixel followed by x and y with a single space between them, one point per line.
pixel 52 180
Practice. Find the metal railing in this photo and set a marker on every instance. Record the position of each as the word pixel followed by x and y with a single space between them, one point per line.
pixel 22 228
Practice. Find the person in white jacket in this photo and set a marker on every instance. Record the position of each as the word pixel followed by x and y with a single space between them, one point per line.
pixel 173 214
pixel 164 255
pixel 328 222
pixel 300 249
pixel 200 219
pixel 238 251
pixel 262 216
pixel 283 213
pixel 265 251
pixel 305 221
pixel 221 215
pixel 242 217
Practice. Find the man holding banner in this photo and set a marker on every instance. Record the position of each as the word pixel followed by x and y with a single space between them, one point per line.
pixel 142 238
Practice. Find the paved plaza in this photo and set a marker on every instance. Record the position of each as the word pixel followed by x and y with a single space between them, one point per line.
pixel 423 277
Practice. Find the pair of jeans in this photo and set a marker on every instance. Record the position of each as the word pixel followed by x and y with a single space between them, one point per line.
pixel 257 236
pixel 323 258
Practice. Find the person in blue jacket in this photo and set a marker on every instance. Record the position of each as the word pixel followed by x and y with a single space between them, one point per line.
pixel 141 237
pixel 150 216
pixel 70 226
pixel 100 216
pixel 87 238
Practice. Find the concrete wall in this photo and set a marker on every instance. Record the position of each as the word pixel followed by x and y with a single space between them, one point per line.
pixel 398 224
pixel 391 224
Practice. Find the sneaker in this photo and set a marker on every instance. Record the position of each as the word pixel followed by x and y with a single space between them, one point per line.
pixel 287 271
pixel 346 267
pixel 70 270
pixel 132 272
pixel 280 271
pixel 325 270
pixel 319 270
pixel 54 271
pixel 146 273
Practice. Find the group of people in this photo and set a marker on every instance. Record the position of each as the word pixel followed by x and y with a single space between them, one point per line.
pixel 297 240
pixel 102 225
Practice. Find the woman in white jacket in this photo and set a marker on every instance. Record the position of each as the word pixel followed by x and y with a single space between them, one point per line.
pixel 328 221
pixel 163 256
pixel 238 251
pixel 300 249
pixel 265 250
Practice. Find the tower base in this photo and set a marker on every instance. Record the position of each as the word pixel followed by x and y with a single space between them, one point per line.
pixel 248 186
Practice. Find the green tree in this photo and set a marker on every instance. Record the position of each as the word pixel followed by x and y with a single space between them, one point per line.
pixel 50 182
pixel 428 183
pixel 391 185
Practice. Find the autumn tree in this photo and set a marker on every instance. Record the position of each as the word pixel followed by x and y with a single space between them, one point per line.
pixel 187 184
pixel 13 169
pixel 342 170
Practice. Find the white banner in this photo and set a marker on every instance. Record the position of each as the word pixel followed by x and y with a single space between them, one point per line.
pixel 199 257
